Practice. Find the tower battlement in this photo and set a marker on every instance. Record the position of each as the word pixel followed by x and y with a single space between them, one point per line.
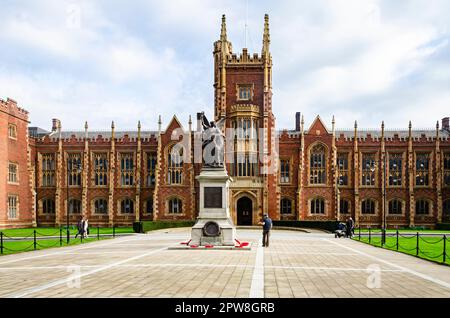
pixel 10 107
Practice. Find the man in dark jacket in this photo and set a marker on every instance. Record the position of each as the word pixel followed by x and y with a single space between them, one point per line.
pixel 350 227
pixel 267 226
pixel 80 228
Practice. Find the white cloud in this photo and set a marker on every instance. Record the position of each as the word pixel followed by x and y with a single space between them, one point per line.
pixel 355 59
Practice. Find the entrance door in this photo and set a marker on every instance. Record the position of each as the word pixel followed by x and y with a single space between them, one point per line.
pixel 244 211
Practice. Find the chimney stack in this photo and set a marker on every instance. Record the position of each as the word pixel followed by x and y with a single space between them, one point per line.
pixel 298 121
pixel 55 124
pixel 446 123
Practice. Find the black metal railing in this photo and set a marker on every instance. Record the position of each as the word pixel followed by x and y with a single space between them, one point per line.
pixel 35 240
pixel 432 246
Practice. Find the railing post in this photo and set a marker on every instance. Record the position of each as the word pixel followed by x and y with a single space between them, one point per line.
pixel 68 236
pixel 34 235
pixel 417 244
pixel 81 238
pixel 359 234
pixel 98 233
pixel 1 242
pixel 444 254
pixel 114 231
pixel 370 235
pixel 60 236
pixel 397 240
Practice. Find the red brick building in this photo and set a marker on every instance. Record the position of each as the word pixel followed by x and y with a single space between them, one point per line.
pixel 16 174
pixel 309 173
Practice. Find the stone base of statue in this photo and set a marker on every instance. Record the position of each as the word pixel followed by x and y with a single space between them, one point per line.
pixel 214 226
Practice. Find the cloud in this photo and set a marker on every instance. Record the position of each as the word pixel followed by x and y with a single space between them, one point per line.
pixel 367 60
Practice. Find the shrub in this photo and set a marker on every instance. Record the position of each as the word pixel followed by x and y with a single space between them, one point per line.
pixel 321 225
pixel 146 226
pixel 443 226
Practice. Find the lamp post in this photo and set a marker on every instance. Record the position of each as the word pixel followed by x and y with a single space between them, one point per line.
pixel 372 168
pixel 70 165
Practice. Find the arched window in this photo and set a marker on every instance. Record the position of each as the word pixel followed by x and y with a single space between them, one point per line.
pixel 175 165
pixel 344 206
pixel 126 206
pixel 368 206
pixel 395 207
pixel 175 206
pixel 422 207
pixel 318 206
pixel 317 165
pixel 48 206
pixel 74 206
pixel 127 169
pixel 286 206
pixel 446 210
pixel 101 206
pixel 149 206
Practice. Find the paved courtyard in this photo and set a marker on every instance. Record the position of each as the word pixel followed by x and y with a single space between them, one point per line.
pixel 295 265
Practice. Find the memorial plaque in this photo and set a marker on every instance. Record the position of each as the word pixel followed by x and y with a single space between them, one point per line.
pixel 213 197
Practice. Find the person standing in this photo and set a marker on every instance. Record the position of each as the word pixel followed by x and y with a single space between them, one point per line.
pixel 267 226
pixel 350 227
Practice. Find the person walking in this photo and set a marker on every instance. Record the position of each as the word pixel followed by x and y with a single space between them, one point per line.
pixel 80 227
pixel 267 226
pixel 350 227
pixel 86 228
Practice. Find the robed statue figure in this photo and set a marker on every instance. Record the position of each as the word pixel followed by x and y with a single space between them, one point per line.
pixel 213 142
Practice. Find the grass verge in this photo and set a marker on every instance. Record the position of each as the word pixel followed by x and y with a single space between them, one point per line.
pixel 429 248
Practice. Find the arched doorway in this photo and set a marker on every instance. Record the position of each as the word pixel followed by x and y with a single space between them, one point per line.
pixel 244 211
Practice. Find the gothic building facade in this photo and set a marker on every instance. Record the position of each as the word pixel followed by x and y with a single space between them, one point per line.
pixel 309 173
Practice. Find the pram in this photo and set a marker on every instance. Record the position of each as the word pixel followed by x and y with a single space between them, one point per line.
pixel 341 231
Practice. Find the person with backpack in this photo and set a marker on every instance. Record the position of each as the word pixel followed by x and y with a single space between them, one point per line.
pixel 267 226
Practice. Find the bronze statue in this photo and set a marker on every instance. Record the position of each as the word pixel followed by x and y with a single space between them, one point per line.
pixel 213 142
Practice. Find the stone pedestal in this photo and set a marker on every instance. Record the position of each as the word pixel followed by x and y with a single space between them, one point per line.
pixel 214 225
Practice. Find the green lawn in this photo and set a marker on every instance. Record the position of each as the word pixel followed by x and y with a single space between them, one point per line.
pixel 11 247
pixel 54 231
pixel 430 247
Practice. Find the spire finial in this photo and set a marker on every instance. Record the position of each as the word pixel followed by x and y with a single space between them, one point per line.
pixel 410 125
pixel 159 124
pixel 356 125
pixel 85 125
pixel 266 36
pixel 223 31
pixel 332 120
pixel 139 124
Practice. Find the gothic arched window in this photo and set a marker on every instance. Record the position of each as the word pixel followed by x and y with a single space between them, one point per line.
pixel 318 206
pixel 422 207
pixel 175 206
pixel 395 207
pixel 368 206
pixel 48 206
pixel 101 206
pixel 175 165
pixel 127 206
pixel 74 206
pixel 286 206
pixel 317 165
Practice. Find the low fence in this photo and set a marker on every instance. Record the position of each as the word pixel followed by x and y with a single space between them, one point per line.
pixel 431 246
pixel 37 240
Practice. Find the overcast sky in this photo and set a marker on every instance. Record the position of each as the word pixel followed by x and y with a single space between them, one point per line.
pixel 126 61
